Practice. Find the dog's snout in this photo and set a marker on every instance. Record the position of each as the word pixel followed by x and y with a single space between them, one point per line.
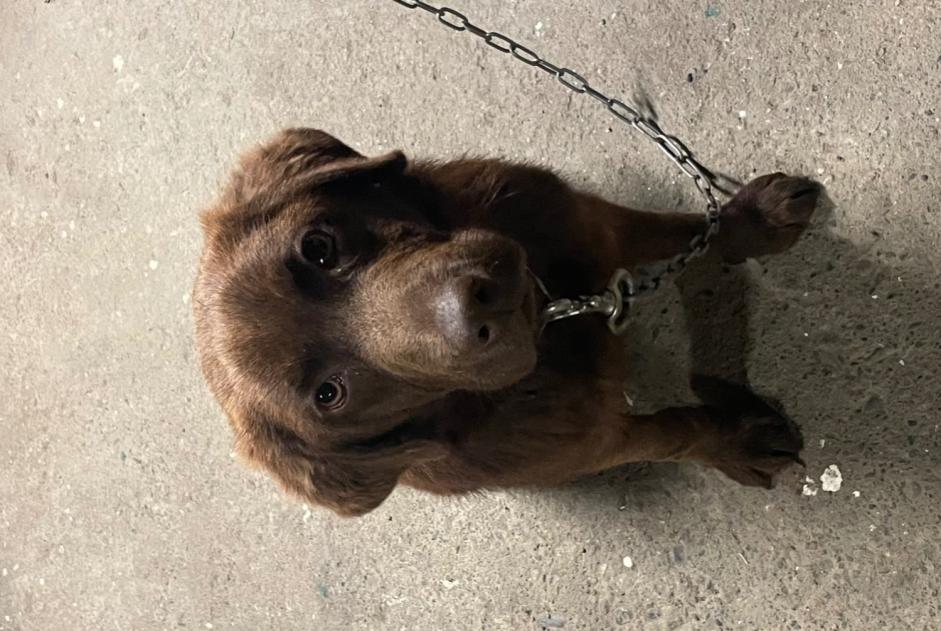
pixel 474 310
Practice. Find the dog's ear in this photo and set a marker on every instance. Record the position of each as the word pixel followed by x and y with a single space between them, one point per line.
pixel 348 482
pixel 300 159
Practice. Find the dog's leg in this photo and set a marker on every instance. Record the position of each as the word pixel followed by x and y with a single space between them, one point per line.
pixel 738 433
pixel 765 217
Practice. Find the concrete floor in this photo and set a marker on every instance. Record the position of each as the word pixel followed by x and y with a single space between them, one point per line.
pixel 120 504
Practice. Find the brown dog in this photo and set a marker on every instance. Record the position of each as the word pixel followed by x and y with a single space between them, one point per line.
pixel 369 321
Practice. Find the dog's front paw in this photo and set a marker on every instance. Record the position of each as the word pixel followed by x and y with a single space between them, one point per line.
pixel 758 441
pixel 763 447
pixel 767 216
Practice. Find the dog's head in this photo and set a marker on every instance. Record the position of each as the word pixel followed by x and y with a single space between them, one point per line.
pixel 336 303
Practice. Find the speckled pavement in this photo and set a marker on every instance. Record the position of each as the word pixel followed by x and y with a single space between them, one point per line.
pixel 121 506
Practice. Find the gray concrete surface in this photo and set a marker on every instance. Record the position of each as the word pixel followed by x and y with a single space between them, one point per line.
pixel 120 504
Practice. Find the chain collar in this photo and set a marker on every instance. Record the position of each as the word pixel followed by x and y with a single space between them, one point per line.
pixel 615 302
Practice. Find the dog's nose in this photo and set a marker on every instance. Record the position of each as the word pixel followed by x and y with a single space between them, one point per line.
pixel 474 310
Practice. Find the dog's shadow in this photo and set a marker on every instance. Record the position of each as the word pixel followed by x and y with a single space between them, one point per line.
pixel 703 325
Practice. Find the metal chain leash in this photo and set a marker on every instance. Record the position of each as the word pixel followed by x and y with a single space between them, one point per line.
pixel 615 303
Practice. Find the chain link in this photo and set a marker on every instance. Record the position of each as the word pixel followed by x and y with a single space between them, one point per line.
pixel 616 301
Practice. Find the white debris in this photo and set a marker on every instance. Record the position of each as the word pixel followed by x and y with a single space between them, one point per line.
pixel 742 114
pixel 831 480
pixel 60 103
pixel 628 562
pixel 449 584
pixel 808 490
pixel 855 493
pixel 823 443
pixel 153 264
pixel 118 63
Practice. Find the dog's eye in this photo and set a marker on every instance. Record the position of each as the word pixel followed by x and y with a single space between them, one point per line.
pixel 319 248
pixel 331 394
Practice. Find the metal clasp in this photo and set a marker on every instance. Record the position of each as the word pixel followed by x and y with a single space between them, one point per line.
pixel 614 303
pixel 621 286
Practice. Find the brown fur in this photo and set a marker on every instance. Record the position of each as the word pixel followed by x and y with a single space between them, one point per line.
pixel 427 405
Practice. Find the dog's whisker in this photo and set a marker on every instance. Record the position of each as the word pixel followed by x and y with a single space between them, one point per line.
pixel 538 282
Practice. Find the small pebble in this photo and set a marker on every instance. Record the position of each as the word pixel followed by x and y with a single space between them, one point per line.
pixel 628 562
pixel 831 480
